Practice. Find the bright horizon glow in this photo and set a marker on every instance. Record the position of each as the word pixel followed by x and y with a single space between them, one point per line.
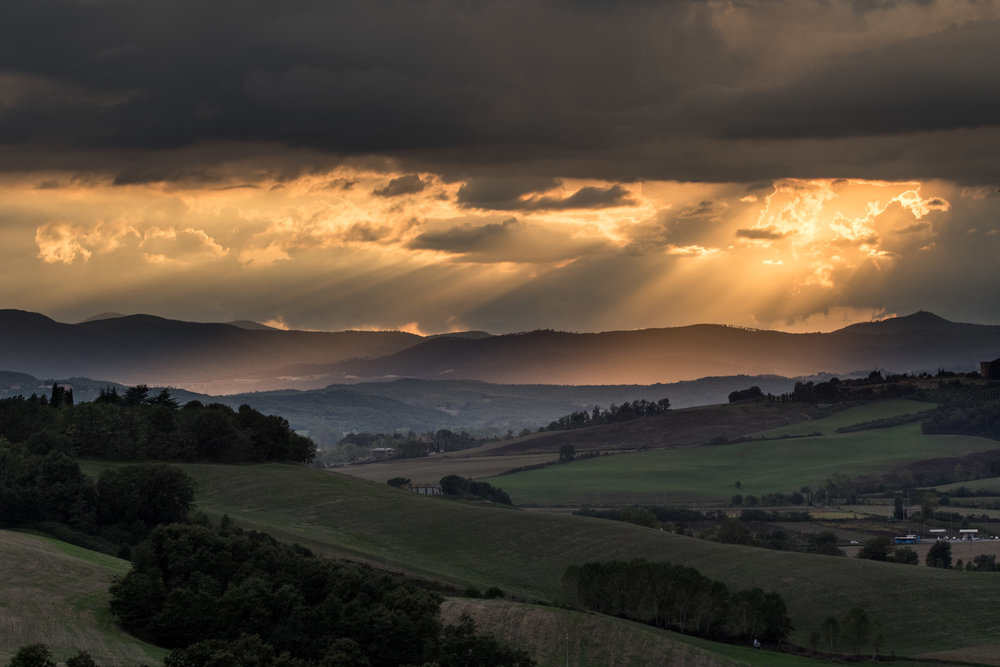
pixel 333 251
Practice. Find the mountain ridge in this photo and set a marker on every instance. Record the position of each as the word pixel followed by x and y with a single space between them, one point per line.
pixel 225 358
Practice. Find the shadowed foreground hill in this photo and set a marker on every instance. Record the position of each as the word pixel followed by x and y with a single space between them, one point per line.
pixel 58 594
pixel 526 553
pixel 558 636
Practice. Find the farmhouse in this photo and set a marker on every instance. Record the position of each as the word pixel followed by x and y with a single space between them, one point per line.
pixel 990 369
pixel 379 453
pixel 427 489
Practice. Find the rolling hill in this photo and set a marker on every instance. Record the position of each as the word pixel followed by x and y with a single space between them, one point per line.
pixel 924 610
pixel 57 594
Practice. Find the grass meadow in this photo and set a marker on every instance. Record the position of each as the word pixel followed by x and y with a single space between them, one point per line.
pixel 559 636
pixel 857 415
pixel 56 593
pixel 709 473
pixel 525 553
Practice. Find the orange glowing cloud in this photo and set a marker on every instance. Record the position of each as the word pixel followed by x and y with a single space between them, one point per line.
pixel 352 248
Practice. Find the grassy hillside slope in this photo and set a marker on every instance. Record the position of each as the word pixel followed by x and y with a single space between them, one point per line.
pixel 526 553
pixel 857 415
pixel 56 594
pixel 559 636
pixel 676 428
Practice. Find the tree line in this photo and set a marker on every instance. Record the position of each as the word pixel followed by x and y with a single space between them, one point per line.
pixel 616 413
pixel 139 426
pixel 453 485
pixel 972 414
pixel 679 598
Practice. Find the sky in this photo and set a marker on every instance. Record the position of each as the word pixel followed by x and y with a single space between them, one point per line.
pixel 435 166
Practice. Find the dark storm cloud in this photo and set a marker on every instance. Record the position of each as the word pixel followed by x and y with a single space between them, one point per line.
pixel 154 91
pixel 585 197
pixel 494 81
pixel 944 81
pixel 509 195
pixel 502 193
pixel 764 234
pixel 509 240
pixel 404 185
pixel 464 238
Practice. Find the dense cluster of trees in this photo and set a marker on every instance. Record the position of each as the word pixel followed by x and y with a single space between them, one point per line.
pixel 812 392
pixel 856 628
pixel 753 393
pixel 939 555
pixel 968 415
pixel 223 595
pixel 677 597
pixel 982 563
pixel 120 507
pixel 717 526
pixel 453 485
pixel 884 549
pixel 835 389
pixel 616 413
pixel 138 426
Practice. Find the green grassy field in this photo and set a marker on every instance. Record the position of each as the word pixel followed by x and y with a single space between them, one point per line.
pixel 850 417
pixel 709 474
pixel 682 428
pixel 431 469
pixel 526 553
pixel 56 594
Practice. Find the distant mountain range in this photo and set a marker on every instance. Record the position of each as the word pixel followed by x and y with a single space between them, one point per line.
pixel 245 356
pixel 427 405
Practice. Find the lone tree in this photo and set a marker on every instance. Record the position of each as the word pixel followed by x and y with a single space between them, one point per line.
pixel 877 548
pixel 830 631
pixel 567 453
pixel 939 555
pixel 928 502
pixel 81 659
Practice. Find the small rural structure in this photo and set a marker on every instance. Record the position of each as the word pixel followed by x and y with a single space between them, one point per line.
pixel 380 453
pixel 990 369
pixel 427 489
